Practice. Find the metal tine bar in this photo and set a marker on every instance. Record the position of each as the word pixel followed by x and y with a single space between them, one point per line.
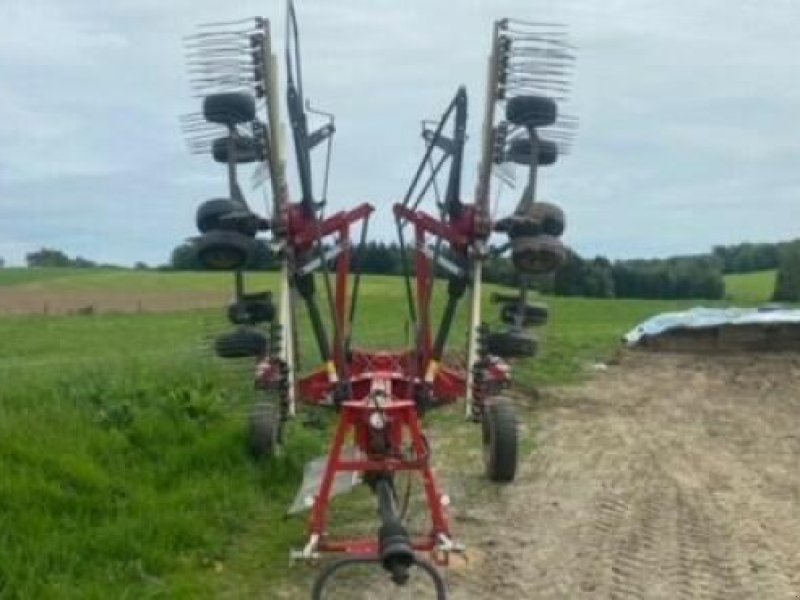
pixel 537 41
pixel 239 56
pixel 240 44
pixel 199 95
pixel 216 38
pixel 223 87
pixel 511 21
pixel 201 75
pixel 222 81
pixel 539 53
pixel 554 37
pixel 546 52
pixel 192 117
pixel 202 135
pixel 202 78
pixel 533 70
pixel 242 41
pixel 521 76
pixel 536 36
pixel 254 20
pixel 518 86
pixel 221 65
pixel 239 84
pixel 550 40
pixel 539 85
pixel 199 35
pixel 212 41
pixel 228 64
pixel 217 52
pixel 520 82
pixel 539 91
pixel 198 133
pixel 541 69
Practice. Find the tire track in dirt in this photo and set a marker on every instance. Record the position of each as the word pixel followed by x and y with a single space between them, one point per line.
pixel 671 476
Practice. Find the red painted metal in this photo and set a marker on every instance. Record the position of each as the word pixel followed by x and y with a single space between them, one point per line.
pixel 448 386
pixel 388 434
pixel 381 383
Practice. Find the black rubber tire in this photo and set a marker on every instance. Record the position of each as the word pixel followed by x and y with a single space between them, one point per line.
pixel 223 214
pixel 224 250
pixel 500 298
pixel 265 430
pixel 499 427
pixel 550 217
pixel 209 213
pixel 247 150
pixel 252 309
pixel 531 111
pixel 519 151
pixel 537 255
pixel 329 570
pixel 512 343
pixel 229 108
pixel 533 314
pixel 243 342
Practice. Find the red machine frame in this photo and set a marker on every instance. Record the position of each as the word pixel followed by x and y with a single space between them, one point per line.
pixel 382 384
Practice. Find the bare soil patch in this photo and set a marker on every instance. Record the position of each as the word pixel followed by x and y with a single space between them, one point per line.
pixel 669 476
pixel 30 302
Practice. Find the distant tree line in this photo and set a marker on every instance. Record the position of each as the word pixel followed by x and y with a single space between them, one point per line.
pixel 748 257
pixel 787 280
pixel 50 257
pixel 672 278
pixel 679 277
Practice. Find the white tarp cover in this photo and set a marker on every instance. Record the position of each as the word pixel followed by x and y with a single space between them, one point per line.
pixel 700 317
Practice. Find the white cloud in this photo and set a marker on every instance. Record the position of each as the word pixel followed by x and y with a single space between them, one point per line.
pixel 686 139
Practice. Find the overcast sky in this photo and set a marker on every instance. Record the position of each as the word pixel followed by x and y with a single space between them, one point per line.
pixel 689 137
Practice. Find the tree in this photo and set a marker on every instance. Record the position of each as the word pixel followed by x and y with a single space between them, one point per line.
pixel 184 258
pixel 47 257
pixel 50 257
pixel 2 262
pixel 787 282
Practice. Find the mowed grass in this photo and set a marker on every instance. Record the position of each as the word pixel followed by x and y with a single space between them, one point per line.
pixel 123 469
pixel 17 276
pixel 750 288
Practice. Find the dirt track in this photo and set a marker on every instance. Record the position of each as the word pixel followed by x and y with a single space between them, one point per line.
pixel 29 302
pixel 669 476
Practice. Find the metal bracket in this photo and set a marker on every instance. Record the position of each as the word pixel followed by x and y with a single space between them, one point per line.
pixel 447 546
pixel 309 551
pixel 444 143
pixel 315 138
pixel 447 264
pixel 315 263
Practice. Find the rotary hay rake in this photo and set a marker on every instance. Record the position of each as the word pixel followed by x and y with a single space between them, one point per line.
pixel 380 396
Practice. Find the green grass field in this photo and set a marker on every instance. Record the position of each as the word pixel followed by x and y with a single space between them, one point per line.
pixel 750 288
pixel 123 470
